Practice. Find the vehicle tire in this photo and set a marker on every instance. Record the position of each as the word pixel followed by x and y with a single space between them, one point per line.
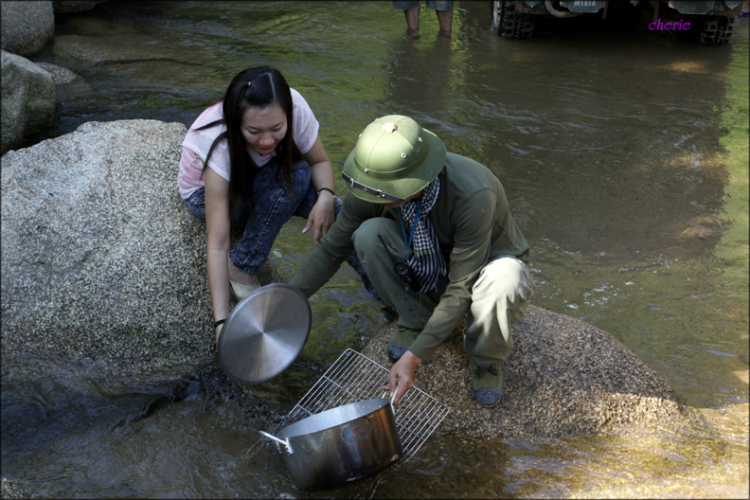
pixel 718 30
pixel 509 23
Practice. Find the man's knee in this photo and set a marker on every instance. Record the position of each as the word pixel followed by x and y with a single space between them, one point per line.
pixel 505 277
pixel 366 236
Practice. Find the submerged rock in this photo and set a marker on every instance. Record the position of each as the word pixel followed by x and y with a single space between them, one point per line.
pixel 564 377
pixel 61 76
pixel 68 6
pixel 104 49
pixel 100 258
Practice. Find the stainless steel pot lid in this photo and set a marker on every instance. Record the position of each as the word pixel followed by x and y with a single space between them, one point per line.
pixel 264 333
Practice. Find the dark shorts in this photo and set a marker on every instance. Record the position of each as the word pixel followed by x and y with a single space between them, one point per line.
pixel 434 5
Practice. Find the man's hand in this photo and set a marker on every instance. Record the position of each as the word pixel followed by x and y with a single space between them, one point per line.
pixel 401 378
pixel 321 216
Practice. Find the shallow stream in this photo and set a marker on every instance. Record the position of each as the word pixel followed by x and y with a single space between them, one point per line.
pixel 623 151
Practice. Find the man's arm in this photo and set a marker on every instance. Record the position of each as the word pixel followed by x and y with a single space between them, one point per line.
pixel 334 248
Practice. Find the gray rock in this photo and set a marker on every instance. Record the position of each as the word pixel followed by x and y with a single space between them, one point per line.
pixel 26 26
pixel 100 258
pixel 28 99
pixel 564 377
pixel 67 6
pixel 61 76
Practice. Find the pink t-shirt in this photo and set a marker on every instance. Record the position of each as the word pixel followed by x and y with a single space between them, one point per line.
pixel 197 143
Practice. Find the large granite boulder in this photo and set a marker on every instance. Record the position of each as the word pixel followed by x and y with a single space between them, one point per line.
pixel 26 26
pixel 564 377
pixel 100 258
pixel 28 99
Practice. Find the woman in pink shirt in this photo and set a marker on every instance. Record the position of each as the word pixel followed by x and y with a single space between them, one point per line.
pixel 254 160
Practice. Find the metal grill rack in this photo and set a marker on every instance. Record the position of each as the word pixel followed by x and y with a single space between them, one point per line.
pixel 354 377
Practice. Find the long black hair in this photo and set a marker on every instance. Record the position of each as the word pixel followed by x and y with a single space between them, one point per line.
pixel 268 88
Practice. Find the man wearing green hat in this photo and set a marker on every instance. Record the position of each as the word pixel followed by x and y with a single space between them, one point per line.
pixel 435 235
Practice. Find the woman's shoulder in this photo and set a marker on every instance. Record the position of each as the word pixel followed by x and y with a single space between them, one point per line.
pixel 299 101
pixel 303 113
pixel 305 124
pixel 200 141
pixel 210 114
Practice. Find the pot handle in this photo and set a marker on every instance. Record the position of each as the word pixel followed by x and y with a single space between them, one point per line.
pixel 393 397
pixel 285 442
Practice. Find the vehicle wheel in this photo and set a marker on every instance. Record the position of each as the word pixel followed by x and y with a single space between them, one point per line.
pixel 509 23
pixel 717 30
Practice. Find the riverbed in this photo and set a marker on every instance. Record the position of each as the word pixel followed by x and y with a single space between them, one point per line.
pixel 623 152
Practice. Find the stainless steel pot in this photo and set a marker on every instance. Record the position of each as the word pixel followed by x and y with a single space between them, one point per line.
pixel 340 445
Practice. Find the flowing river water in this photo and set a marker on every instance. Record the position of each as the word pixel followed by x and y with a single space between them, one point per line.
pixel 624 154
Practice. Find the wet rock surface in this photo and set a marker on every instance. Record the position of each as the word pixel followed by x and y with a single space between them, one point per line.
pixel 11 490
pixel 564 377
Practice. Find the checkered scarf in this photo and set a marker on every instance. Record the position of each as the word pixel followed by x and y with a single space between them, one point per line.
pixel 427 260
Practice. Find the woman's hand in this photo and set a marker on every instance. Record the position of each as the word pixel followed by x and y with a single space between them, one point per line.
pixel 321 216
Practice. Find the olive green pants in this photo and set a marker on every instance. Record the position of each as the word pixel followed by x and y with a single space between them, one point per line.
pixel 498 297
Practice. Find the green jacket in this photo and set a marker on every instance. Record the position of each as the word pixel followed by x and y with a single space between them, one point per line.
pixel 473 223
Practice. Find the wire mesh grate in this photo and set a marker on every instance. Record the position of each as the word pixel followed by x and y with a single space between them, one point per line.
pixel 354 377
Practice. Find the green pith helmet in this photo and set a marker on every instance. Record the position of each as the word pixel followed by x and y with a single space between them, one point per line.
pixel 393 159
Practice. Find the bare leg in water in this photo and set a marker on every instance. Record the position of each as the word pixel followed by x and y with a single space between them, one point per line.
pixel 412 22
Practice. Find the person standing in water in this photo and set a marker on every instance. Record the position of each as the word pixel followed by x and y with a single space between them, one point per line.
pixel 443 10
pixel 254 160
